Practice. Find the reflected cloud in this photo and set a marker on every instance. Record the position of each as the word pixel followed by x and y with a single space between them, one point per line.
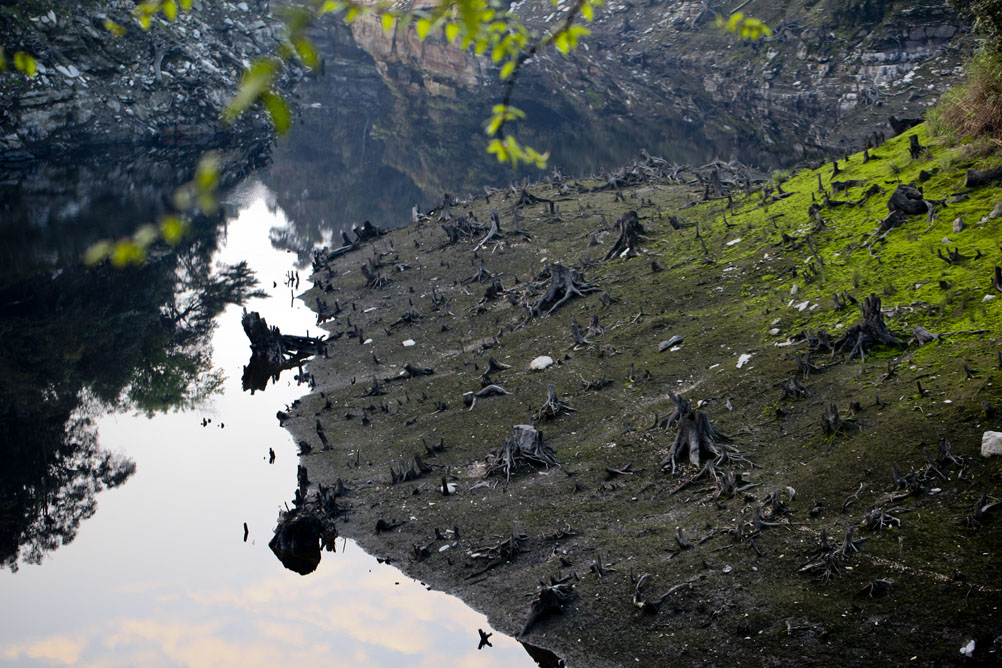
pixel 59 649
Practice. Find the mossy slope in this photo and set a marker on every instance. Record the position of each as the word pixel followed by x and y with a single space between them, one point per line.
pixel 753 605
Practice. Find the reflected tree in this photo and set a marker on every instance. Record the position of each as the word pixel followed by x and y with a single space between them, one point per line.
pixel 79 342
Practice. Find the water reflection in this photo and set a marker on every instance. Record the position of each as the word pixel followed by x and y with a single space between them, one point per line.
pixel 393 122
pixel 81 342
pixel 162 575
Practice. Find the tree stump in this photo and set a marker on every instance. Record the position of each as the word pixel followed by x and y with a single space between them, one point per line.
pixel 524 448
pixel 872 331
pixel 630 232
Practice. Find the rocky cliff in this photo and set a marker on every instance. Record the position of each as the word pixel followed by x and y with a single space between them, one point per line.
pixel 165 86
pixel 831 73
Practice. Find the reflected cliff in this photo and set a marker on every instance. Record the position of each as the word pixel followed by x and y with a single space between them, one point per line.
pixel 391 122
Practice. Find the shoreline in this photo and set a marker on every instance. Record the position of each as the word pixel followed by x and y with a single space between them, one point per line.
pixel 760 559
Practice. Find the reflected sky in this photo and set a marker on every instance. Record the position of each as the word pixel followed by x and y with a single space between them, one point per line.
pixel 160 576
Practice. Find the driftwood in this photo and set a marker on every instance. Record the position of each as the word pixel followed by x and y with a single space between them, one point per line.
pixel 275 347
pixel 524 448
pixel 470 398
pixel 651 606
pixel 976 177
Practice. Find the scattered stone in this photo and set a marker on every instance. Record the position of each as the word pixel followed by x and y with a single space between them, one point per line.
pixel 987 298
pixel 958 225
pixel 743 359
pixel 774 331
pixel 991 443
pixel 409 343
pixel 996 212
pixel 670 343
pixel 541 362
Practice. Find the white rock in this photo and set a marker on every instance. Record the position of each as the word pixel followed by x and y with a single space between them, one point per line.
pixel 991 443
pixel 541 362
pixel 366 342
pixel 987 298
pixel 794 289
pixel 774 331
pixel 743 359
pixel 734 241
pixel 408 343
pixel 996 212
pixel 958 226
pixel 801 306
pixel 968 649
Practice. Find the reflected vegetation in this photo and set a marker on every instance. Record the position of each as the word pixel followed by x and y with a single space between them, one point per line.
pixel 79 342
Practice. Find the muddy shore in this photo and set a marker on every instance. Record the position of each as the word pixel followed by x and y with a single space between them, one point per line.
pixel 800 547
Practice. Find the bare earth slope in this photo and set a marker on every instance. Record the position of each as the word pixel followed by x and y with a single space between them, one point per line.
pixel 837 526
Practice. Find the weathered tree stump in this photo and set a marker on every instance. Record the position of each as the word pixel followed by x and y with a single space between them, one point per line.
pixel 908 200
pixel 553 407
pixel 524 448
pixel 564 284
pixel 550 600
pixel 872 331
pixel 696 440
pixel 630 233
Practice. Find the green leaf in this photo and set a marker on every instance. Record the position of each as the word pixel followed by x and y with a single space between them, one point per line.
pixel 422 27
pixel 145 236
pixel 507 69
pixel 388 21
pixel 126 252
pixel 207 173
pixel 351 15
pixel 329 6
pixel 97 253
pixel 451 31
pixel 25 63
pixel 279 112
pixel 307 53
pixel 173 229
pixel 113 28
pixel 144 21
pixel 3 60
pixel 170 10
pixel 587 12
pixel 186 5
pixel 256 80
pixel 561 42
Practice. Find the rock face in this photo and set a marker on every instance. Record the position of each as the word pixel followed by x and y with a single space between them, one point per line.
pixel 162 87
pixel 831 73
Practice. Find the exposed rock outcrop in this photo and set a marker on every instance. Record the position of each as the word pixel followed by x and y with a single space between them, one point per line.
pixel 162 87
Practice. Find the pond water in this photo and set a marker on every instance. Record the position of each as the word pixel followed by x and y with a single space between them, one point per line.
pixel 161 573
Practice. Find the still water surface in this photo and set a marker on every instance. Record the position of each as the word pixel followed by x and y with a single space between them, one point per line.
pixel 161 576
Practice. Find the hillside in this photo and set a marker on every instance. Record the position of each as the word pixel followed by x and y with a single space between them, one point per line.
pixel 848 518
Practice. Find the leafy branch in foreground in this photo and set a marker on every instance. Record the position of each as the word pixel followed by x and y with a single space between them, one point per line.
pixel 199 194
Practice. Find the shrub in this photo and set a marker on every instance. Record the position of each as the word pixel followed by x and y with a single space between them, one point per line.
pixel 973 110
